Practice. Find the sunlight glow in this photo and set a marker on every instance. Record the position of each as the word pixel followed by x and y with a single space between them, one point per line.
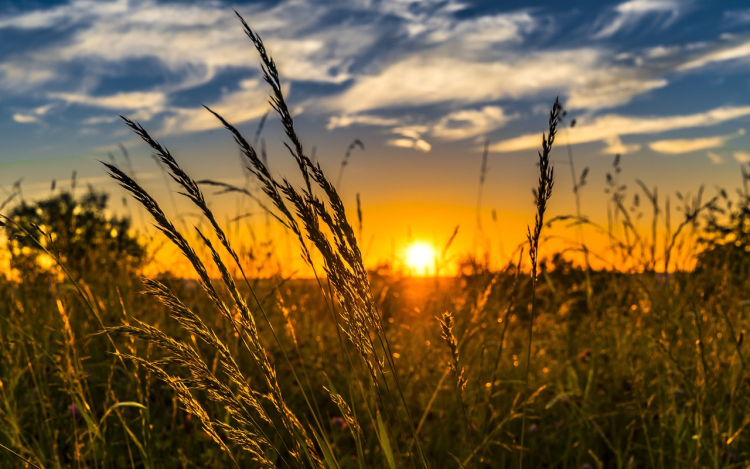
pixel 420 258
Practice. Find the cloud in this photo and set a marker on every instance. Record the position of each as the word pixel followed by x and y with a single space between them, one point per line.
pixel 477 33
pixel 437 22
pixel 738 16
pixel 741 156
pixel 249 102
pixel 627 15
pixel 152 100
pixel 722 53
pixel 193 42
pixel 411 137
pixel 715 158
pixel 21 75
pixel 678 146
pixel 470 123
pixel 429 79
pixel 606 127
pixel 417 144
pixel 616 147
pixel 336 122
pixel 25 119
pixel 96 120
pixel 60 15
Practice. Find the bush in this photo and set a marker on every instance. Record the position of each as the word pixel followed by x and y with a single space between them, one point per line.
pixel 76 230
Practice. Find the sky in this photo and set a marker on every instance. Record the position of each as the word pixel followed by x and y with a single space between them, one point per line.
pixel 422 84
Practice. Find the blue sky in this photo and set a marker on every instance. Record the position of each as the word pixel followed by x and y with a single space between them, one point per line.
pixel 663 82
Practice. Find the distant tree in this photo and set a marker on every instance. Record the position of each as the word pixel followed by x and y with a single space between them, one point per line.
pixel 726 237
pixel 78 230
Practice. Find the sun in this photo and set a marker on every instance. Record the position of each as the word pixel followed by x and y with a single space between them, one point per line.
pixel 420 258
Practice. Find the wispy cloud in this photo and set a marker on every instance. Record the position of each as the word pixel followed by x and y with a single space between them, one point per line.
pixel 249 102
pixel 150 100
pixel 722 53
pixel 686 145
pixel 470 123
pixel 627 15
pixel 615 146
pixel 607 127
pixel 424 79
pixel 336 122
pixel 411 137
pixel 25 118
pixel 741 156
pixel 715 158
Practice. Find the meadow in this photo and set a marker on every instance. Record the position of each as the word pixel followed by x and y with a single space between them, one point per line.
pixel 625 358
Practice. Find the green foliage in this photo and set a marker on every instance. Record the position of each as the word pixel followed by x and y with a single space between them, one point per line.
pixel 726 234
pixel 78 231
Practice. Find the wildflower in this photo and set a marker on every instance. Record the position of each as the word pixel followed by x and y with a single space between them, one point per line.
pixel 74 411
pixel 533 428
pixel 338 422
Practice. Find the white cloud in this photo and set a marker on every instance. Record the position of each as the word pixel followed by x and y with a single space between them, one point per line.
pixel 627 15
pixel 616 147
pixel 249 102
pixel 678 146
pixel 57 16
pixel 23 75
pixel 193 42
pixel 25 119
pixel 470 123
pixel 417 144
pixel 411 137
pixel 336 122
pixel 715 158
pixel 741 156
pixel 481 32
pixel 717 54
pixel 411 131
pixel 96 120
pixel 152 100
pixel 608 126
pixel 429 79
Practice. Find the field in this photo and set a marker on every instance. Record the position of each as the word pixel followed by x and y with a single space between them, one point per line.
pixel 629 357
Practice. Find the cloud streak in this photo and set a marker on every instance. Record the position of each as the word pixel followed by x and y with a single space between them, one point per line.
pixel 687 145
pixel 608 127
pixel 628 15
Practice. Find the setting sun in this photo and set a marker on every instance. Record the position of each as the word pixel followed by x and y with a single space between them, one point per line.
pixel 420 258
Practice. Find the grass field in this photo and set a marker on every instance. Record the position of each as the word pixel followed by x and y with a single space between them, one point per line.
pixel 541 363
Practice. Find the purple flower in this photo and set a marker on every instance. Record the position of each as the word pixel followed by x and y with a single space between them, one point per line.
pixel 338 422
pixel 586 466
pixel 74 411
pixel 533 428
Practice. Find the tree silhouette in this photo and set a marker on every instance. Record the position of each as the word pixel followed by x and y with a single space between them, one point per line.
pixel 78 231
